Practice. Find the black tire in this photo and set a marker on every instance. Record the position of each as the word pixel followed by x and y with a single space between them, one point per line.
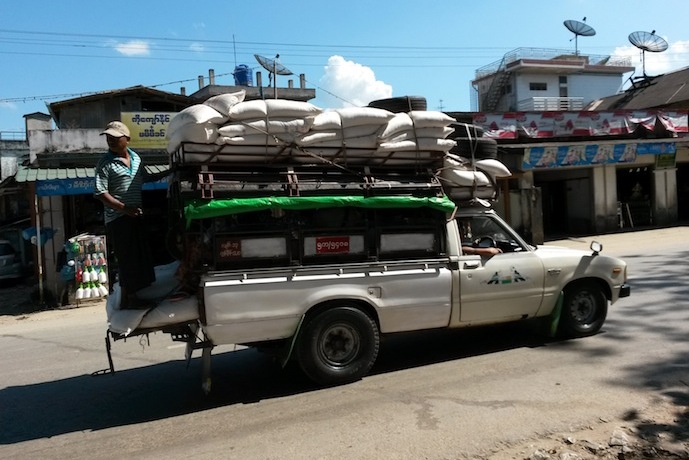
pixel 467 130
pixel 482 147
pixel 400 104
pixel 584 310
pixel 338 346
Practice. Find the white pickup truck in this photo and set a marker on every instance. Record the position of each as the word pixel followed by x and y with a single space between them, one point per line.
pixel 312 238
pixel 321 285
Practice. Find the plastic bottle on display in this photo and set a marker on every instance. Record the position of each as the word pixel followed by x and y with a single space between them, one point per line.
pixel 103 274
pixel 93 276
pixel 95 292
pixel 80 292
pixel 87 291
pixel 102 289
pixel 87 262
pixel 80 274
pixel 85 275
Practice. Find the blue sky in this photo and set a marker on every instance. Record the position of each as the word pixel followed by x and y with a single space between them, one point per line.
pixel 351 52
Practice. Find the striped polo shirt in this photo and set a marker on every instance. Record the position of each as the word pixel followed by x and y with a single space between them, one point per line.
pixel 122 182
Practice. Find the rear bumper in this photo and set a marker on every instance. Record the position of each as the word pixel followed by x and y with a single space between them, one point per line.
pixel 625 290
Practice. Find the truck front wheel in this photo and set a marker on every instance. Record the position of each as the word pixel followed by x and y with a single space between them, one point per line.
pixel 338 346
pixel 584 310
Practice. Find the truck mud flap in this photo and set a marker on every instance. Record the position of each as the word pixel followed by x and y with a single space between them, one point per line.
pixel 554 318
pixel 292 342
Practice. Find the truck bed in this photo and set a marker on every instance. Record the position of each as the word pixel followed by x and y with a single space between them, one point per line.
pixel 268 304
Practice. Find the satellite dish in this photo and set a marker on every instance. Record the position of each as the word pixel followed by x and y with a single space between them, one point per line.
pixel 579 28
pixel 274 68
pixel 647 41
pixel 272 65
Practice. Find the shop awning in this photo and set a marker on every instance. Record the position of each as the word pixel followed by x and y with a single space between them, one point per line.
pixel 74 180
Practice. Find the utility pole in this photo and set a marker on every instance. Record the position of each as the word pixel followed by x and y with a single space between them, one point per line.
pixel 440 106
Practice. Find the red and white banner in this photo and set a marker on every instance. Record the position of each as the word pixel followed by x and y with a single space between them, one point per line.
pixel 513 125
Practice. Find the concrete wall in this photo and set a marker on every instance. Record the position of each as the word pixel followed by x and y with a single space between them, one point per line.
pixel 591 87
pixel 605 198
pixel 665 196
pixel 65 141
pixel 11 154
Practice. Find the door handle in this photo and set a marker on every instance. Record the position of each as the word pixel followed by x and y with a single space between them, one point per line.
pixel 472 264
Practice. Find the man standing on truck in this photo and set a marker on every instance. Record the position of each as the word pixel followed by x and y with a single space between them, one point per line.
pixel 120 174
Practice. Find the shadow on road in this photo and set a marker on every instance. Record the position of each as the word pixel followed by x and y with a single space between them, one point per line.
pixel 169 389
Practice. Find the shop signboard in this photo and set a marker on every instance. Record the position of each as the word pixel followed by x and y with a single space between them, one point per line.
pixel 148 129
pixel 81 186
pixel 593 154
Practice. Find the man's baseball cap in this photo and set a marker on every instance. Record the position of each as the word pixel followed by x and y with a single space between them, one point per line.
pixel 116 129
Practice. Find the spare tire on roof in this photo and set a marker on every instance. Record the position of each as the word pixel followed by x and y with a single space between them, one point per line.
pixel 400 104
pixel 481 147
pixel 467 130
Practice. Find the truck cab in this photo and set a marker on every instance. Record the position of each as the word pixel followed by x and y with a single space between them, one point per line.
pixel 525 281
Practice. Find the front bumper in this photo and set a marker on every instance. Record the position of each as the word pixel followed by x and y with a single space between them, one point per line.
pixel 625 290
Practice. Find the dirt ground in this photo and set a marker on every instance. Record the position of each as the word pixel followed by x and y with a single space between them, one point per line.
pixel 658 432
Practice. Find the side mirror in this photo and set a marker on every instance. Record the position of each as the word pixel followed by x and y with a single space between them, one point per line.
pixel 596 247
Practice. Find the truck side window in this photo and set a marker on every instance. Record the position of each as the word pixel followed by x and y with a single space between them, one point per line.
pixel 475 228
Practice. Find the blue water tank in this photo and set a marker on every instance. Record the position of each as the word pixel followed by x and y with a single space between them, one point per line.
pixel 243 76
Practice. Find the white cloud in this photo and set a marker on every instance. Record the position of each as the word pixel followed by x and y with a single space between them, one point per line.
pixel 197 47
pixel 8 105
pixel 133 48
pixel 350 84
pixel 674 58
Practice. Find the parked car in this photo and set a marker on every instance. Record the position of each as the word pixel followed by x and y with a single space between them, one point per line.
pixel 10 262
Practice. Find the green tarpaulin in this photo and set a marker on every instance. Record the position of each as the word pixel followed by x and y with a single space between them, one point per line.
pixel 200 209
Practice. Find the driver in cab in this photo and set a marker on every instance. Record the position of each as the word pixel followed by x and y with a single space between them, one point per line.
pixel 476 248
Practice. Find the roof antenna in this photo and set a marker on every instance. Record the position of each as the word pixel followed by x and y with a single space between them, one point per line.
pixel 274 68
pixel 647 41
pixel 579 28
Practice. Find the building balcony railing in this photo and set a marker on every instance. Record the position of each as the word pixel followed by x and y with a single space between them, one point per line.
pixel 548 54
pixel 550 104
pixel 12 135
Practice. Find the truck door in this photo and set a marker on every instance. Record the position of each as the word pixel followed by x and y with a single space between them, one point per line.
pixel 503 286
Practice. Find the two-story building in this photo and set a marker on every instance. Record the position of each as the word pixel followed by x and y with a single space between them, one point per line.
pixel 583 163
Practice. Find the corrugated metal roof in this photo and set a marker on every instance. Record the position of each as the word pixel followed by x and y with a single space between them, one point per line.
pixel 663 91
pixel 28 174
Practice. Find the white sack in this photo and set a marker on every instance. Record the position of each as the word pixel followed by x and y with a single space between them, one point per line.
pixel 411 134
pixel 224 102
pixel 363 142
pixel 205 133
pixel 495 168
pixel 415 120
pixel 316 136
pixel 257 139
pixel 357 116
pixel 196 114
pixel 422 143
pixel 272 108
pixel 263 126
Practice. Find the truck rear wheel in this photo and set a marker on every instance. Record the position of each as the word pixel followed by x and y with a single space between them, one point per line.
pixel 338 346
pixel 583 311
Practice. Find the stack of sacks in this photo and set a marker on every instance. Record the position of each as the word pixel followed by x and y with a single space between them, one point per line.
pixel 301 130
pixel 464 180
pixel 416 134
pixel 352 127
pixel 199 123
pixel 270 122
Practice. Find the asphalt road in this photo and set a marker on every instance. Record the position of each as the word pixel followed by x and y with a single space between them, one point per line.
pixel 434 395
